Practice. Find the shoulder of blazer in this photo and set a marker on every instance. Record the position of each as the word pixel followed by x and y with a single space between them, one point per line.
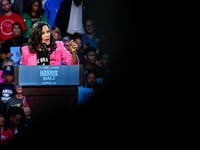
pixel 25 50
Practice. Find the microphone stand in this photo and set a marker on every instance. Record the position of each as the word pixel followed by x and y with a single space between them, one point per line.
pixel 48 53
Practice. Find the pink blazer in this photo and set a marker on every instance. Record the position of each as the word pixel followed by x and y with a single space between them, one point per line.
pixel 55 58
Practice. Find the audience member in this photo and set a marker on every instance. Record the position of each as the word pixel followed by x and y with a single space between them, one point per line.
pixel 56 33
pixel 66 40
pixel 90 66
pixel 7 20
pixel 91 35
pixel 7 88
pixel 33 14
pixel 34 55
pixel 27 113
pixel 51 8
pixel 91 80
pixel 16 40
pixel 16 119
pixel 28 119
pixel 79 51
pixel 7 62
pixel 15 100
pixel 105 61
pixel 69 17
pixel 6 134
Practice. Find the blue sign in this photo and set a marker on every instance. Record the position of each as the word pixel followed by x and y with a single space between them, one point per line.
pixel 49 75
pixel 15 50
pixel 84 94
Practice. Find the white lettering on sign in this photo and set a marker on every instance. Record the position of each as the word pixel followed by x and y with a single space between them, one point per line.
pixel 45 73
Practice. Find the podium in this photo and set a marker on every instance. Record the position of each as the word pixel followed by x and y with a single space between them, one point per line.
pixel 48 88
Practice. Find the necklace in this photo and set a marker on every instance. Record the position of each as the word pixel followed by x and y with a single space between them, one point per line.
pixel 14 42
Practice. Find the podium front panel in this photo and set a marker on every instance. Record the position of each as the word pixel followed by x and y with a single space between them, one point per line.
pixel 47 75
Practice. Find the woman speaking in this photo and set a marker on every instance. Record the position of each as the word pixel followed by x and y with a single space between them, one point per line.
pixel 42 50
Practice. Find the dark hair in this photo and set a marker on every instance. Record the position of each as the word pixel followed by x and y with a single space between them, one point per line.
pixel 18 24
pixel 88 72
pixel 5 122
pixel 35 36
pixel 77 35
pixel 40 10
pixel 88 19
pixel 89 49
pixel 13 111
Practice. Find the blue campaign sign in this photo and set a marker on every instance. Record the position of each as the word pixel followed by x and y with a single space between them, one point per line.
pixel 49 75
pixel 15 50
pixel 84 94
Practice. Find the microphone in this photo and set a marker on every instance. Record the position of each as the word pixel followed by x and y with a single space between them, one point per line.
pixel 44 47
pixel 53 48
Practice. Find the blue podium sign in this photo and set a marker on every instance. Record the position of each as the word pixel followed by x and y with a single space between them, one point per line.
pixel 48 75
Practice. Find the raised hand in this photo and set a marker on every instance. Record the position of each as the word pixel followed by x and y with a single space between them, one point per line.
pixel 72 46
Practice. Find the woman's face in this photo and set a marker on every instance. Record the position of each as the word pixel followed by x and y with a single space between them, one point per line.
pixel 45 35
pixel 55 34
pixel 35 7
pixel 27 111
pixel 16 31
pixel 2 119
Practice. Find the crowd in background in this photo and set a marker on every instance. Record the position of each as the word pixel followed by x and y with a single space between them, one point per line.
pixel 69 20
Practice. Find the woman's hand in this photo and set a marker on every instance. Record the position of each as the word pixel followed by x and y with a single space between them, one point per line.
pixel 72 46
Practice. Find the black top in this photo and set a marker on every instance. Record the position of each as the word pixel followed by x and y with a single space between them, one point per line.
pixel 9 43
pixel 42 58
pixel 34 19
pixel 98 71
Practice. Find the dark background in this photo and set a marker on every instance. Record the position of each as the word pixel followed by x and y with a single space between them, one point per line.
pixel 133 96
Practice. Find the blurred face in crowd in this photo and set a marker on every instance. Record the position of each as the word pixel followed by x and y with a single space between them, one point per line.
pixel 15 120
pixel 55 34
pixel 5 5
pixel 66 45
pixel 91 57
pixel 8 78
pixel 35 7
pixel 78 41
pixel 45 35
pixel 91 80
pixel 16 31
pixel 2 120
pixel 27 110
pixel 89 27
pixel 18 89
pixel 105 61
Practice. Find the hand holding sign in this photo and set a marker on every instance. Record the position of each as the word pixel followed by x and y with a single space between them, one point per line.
pixel 8 55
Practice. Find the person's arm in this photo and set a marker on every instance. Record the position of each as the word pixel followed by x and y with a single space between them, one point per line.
pixel 6 50
pixel 73 47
